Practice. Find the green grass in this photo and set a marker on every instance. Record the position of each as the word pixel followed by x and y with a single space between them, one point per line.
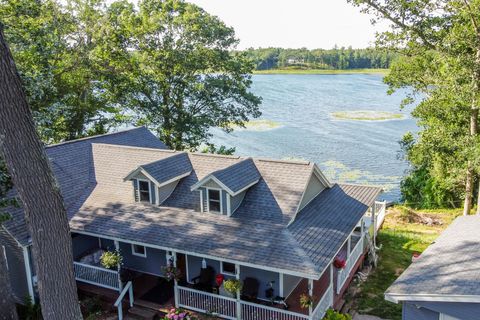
pixel 399 240
pixel 322 71
pixel 362 115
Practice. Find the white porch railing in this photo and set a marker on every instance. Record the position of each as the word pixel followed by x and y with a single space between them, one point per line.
pixel 380 209
pixel 252 311
pixel 352 259
pixel 98 276
pixel 205 302
pixel 325 303
pixel 118 304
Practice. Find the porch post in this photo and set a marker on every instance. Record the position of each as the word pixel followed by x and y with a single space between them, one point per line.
pixel 310 293
pixel 331 283
pixel 120 284
pixel 239 305
pixel 374 222
pixel 349 245
pixel 175 281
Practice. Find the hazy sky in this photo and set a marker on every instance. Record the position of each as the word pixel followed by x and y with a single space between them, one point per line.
pixel 294 24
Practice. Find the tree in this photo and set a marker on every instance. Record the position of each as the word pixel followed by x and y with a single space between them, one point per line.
pixel 441 44
pixel 180 77
pixel 39 194
pixel 8 309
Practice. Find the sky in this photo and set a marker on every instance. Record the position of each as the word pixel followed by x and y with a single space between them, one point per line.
pixel 294 24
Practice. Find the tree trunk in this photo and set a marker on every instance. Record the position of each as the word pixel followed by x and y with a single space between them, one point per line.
pixel 39 193
pixel 467 205
pixel 8 309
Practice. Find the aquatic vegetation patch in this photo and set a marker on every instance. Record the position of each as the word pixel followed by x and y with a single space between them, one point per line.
pixel 366 115
pixel 258 125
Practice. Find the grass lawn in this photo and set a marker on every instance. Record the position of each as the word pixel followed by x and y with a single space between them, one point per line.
pixel 403 233
pixel 321 71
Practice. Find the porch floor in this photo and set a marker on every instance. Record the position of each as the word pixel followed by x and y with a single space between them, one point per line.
pixel 319 288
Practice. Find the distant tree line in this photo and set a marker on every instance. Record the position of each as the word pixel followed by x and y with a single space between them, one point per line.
pixel 336 58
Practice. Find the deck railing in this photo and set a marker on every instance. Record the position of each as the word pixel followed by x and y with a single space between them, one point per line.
pixel 98 276
pixel 252 311
pixel 205 302
pixel 325 303
pixel 380 209
pixel 119 303
pixel 352 259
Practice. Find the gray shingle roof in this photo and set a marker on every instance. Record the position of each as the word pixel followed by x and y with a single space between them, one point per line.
pixel 325 223
pixel 169 168
pixel 450 266
pixel 239 175
pixel 72 164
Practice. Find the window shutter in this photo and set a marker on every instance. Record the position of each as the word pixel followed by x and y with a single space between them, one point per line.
pixel 135 190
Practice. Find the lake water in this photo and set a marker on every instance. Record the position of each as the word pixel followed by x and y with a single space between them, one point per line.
pixel 301 108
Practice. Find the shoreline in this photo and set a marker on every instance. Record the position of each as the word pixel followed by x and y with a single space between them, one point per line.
pixel 322 71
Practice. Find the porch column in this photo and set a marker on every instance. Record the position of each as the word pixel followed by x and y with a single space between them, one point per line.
pixel 349 245
pixel 239 305
pixel 120 284
pixel 175 281
pixel 310 293
pixel 374 243
pixel 331 283
pixel 28 271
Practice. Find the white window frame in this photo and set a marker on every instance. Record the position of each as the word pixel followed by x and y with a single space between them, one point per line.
pixel 219 198
pixel 144 255
pixel 149 190
pixel 226 272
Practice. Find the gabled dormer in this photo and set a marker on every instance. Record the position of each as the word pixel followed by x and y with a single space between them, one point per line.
pixel 222 191
pixel 154 182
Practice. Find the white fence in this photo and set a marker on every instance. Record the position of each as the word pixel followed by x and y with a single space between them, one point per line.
pixel 252 311
pixel 343 274
pixel 380 209
pixel 207 303
pixel 325 303
pixel 96 275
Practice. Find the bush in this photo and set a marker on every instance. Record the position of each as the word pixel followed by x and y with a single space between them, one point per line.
pixel 334 315
pixel 111 259
pixel 232 286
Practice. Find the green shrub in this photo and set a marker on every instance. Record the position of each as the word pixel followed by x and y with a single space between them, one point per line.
pixel 232 286
pixel 334 315
pixel 111 259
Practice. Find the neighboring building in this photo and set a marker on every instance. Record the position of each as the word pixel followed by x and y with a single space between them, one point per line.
pixel 444 282
pixel 279 226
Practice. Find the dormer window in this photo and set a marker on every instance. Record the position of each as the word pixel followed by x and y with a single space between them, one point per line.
pixel 143 188
pixel 214 200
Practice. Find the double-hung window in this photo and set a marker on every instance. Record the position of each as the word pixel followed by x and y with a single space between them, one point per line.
pixel 214 202
pixel 143 190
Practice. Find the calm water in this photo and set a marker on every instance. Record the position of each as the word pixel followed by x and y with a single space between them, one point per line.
pixel 346 150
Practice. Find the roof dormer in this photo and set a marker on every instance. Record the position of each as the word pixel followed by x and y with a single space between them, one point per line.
pixel 222 191
pixel 154 182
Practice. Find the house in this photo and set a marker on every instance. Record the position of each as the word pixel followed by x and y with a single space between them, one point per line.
pixel 444 282
pixel 280 227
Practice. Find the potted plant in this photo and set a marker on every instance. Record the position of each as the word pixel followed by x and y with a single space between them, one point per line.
pixel 171 273
pixel 111 259
pixel 306 300
pixel 232 286
pixel 339 263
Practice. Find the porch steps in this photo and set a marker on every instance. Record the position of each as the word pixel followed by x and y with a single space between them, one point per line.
pixel 141 313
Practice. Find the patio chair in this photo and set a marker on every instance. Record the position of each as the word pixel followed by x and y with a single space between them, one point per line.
pixel 205 280
pixel 250 289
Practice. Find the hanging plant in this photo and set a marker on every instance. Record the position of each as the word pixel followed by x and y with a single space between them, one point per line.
pixel 306 300
pixel 171 273
pixel 111 259
pixel 339 263
pixel 232 286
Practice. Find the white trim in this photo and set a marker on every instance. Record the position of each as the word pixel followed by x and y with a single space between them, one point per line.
pixel 4 249
pixel 149 190
pixel 226 272
pixel 206 179
pixel 219 199
pixel 28 271
pixel 157 196
pixel 144 255
pixel 280 284
pixel 206 256
pixel 229 208
pixel 201 200
pixel 293 288
pixel 132 175
pixel 395 298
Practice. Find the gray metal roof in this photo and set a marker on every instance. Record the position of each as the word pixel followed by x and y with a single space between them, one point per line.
pixel 449 266
pixel 169 168
pixel 72 164
pixel 239 175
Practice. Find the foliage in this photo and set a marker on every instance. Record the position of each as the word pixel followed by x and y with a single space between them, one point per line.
pixel 399 239
pixel 211 148
pixel 306 300
pixel 111 259
pixel 333 59
pixel 171 273
pixel 439 45
pixel 5 186
pixel 30 310
pixel 232 286
pixel 91 307
pixel 180 78
pixel 334 315
pixel 178 314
